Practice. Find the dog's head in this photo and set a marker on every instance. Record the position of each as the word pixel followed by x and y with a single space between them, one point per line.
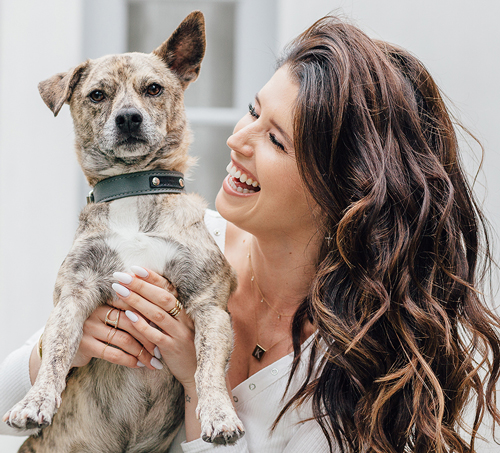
pixel 128 109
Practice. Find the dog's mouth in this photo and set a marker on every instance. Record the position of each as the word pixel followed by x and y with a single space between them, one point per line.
pixel 131 141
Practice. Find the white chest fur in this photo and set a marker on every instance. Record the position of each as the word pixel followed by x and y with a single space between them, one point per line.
pixel 133 246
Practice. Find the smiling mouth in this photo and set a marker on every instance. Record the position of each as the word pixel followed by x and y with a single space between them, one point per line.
pixel 240 182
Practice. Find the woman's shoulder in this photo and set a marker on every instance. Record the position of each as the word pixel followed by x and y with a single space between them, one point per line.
pixel 228 236
pixel 217 227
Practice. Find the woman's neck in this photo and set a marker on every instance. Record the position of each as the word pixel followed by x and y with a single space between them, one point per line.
pixel 281 273
pixel 282 268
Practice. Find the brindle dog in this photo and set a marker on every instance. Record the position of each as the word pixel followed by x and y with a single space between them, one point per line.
pixel 105 407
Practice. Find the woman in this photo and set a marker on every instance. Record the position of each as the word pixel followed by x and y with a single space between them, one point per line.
pixel 356 239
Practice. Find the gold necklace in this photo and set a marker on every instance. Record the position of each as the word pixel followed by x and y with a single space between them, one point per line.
pixel 263 299
pixel 259 350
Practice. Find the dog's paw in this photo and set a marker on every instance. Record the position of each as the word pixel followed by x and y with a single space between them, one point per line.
pixel 33 412
pixel 220 425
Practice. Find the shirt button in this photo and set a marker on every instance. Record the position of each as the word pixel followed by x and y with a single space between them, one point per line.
pixel 274 371
pixel 251 386
pixel 217 232
pixel 235 399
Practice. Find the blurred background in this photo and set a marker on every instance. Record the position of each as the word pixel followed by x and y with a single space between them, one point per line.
pixel 41 186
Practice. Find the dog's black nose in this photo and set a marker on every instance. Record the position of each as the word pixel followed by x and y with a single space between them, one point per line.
pixel 128 120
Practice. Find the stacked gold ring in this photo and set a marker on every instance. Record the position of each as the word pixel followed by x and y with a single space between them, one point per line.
pixel 108 321
pixel 176 310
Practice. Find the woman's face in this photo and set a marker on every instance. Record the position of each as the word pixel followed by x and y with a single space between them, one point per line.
pixel 263 192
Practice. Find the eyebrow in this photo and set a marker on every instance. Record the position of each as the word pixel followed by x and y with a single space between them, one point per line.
pixel 276 125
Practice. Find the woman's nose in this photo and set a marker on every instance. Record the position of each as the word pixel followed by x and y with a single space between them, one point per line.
pixel 241 140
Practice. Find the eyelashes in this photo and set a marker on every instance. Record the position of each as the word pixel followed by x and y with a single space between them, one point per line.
pixel 251 110
pixel 272 137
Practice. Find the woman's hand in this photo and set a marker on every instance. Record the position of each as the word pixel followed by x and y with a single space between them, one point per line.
pixel 151 298
pixel 121 345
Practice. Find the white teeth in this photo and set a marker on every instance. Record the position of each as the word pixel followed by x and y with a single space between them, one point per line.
pixel 242 177
pixel 239 189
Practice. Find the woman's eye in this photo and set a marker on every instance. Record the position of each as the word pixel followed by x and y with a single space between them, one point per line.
pixel 97 96
pixel 275 142
pixel 154 89
pixel 251 110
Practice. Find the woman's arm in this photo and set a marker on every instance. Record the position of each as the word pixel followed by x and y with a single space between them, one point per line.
pixel 15 381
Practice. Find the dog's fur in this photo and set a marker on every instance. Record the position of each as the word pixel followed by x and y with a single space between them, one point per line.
pixel 105 407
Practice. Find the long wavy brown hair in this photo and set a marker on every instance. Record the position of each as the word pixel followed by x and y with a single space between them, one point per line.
pixel 409 338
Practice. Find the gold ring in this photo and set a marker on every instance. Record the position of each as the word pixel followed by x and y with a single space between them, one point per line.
pixel 111 335
pixel 176 310
pixel 102 354
pixel 108 321
pixel 40 346
pixel 140 352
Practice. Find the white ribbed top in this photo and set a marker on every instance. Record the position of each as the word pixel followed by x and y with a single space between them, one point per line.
pixel 258 401
pixel 15 382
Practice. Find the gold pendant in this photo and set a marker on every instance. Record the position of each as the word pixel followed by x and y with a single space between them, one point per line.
pixel 258 352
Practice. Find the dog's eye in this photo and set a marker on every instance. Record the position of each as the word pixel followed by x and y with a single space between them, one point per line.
pixel 96 96
pixel 154 89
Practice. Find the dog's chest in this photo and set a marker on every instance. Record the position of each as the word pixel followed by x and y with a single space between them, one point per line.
pixel 135 233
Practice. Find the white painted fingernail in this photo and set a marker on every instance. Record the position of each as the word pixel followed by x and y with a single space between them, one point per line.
pixel 131 315
pixel 156 363
pixel 157 353
pixel 139 363
pixel 121 290
pixel 139 271
pixel 122 277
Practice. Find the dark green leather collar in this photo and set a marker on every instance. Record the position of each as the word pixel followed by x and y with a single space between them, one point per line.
pixel 140 183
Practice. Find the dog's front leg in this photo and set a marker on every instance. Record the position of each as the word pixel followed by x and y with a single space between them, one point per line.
pixel 61 339
pixel 213 341
pixel 77 294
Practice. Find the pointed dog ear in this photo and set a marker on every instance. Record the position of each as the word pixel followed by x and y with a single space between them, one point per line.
pixel 185 48
pixel 58 89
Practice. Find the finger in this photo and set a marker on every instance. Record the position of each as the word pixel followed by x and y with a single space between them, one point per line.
pixel 157 294
pixel 156 310
pixel 109 336
pixel 152 290
pixel 155 279
pixel 106 352
pixel 154 335
pixel 123 324
pixel 119 303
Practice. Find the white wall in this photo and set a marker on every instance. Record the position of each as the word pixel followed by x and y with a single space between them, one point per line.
pixel 38 172
pixel 38 201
